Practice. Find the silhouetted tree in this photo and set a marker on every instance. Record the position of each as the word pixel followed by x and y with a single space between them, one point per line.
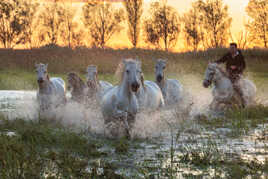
pixel 13 22
pixel 52 22
pixel 192 28
pixel 70 25
pixel 31 8
pixel 215 22
pixel 257 10
pixel 102 21
pixel 134 12
pixel 243 39
pixel 162 27
pixel 78 37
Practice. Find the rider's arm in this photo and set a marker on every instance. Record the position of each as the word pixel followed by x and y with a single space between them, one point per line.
pixel 223 59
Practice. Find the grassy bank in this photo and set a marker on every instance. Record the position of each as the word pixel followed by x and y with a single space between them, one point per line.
pixel 17 66
pixel 63 60
pixel 47 149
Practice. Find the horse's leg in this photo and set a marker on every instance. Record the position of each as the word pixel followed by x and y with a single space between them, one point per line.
pixel 212 104
pixel 130 121
pixel 239 91
pixel 125 118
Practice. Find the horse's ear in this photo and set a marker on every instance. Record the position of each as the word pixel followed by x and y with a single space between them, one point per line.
pixel 46 65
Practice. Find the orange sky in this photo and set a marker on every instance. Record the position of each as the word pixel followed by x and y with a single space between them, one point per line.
pixel 236 11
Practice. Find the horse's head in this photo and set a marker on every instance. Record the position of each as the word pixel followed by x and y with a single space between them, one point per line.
pixel 159 70
pixel 132 74
pixel 91 77
pixel 72 79
pixel 92 72
pixel 209 74
pixel 42 74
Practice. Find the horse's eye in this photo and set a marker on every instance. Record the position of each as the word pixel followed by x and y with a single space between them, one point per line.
pixel 127 71
pixel 164 67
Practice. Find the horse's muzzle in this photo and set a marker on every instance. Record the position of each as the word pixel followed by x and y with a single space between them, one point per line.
pixel 40 80
pixel 159 78
pixel 135 86
pixel 206 84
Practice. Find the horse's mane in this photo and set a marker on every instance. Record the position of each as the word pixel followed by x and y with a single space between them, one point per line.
pixel 142 82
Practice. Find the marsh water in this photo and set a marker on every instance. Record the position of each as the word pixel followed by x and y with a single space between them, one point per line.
pixel 162 140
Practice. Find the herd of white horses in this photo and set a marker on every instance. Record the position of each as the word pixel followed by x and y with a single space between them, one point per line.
pixel 132 94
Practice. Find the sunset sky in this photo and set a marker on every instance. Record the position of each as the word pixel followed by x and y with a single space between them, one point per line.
pixel 236 11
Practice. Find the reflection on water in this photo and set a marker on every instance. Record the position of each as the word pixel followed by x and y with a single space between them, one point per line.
pixel 18 104
pixel 157 127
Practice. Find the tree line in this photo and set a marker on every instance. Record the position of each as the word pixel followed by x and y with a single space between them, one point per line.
pixel 206 24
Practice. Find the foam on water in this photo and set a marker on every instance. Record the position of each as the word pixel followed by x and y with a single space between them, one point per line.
pixel 23 104
pixel 148 124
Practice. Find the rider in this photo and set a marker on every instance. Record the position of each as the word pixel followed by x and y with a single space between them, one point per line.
pixel 235 65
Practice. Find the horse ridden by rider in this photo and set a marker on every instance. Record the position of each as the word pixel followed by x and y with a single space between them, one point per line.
pixel 229 85
pixel 235 66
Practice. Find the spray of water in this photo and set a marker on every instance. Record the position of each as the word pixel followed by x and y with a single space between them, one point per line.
pixel 148 124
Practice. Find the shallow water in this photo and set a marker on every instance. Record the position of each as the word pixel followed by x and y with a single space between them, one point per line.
pixel 154 131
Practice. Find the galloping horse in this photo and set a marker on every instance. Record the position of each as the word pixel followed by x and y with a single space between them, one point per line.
pixel 51 92
pixel 171 88
pixel 96 88
pixel 223 91
pixel 149 95
pixel 78 87
pixel 120 102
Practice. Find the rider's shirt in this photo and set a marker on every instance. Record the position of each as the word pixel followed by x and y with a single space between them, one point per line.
pixel 237 60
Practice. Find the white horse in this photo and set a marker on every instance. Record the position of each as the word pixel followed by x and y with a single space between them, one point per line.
pixel 96 87
pixel 77 87
pixel 149 95
pixel 120 102
pixel 223 91
pixel 51 92
pixel 171 88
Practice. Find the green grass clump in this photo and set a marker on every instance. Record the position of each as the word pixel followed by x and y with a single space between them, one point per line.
pixel 42 148
pixel 239 120
pixel 122 146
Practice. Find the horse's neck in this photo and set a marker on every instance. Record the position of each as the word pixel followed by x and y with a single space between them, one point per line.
pixel 127 99
pixel 95 85
pixel 162 85
pixel 78 89
pixel 46 87
pixel 221 79
pixel 141 94
pixel 125 92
